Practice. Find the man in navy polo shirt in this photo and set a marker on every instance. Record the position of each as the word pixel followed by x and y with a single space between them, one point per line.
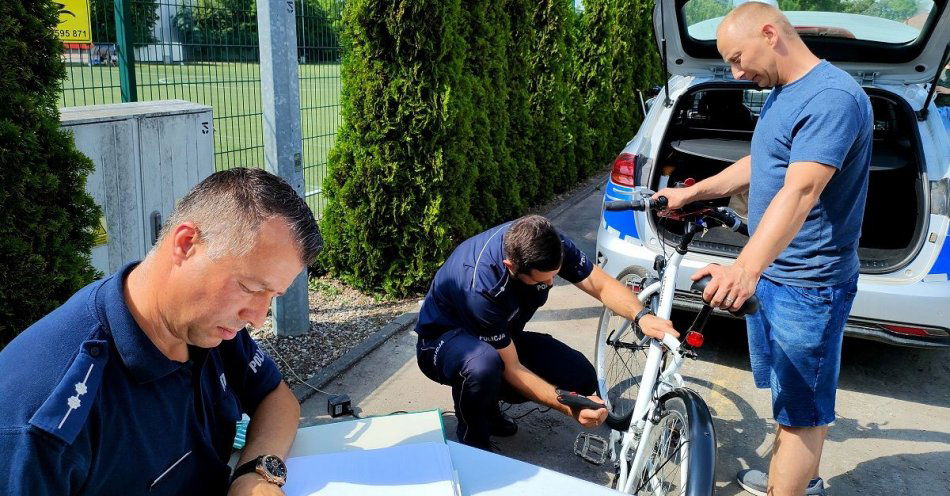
pixel 471 326
pixel 134 385
pixel 807 179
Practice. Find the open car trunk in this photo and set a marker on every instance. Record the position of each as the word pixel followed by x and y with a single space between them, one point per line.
pixel 712 127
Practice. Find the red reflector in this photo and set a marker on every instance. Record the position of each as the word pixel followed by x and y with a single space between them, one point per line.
pixel 625 166
pixel 689 182
pixel 694 339
pixel 913 331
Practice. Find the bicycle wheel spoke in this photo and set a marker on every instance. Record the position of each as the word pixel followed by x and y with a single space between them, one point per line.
pixel 622 352
pixel 667 443
pixel 647 479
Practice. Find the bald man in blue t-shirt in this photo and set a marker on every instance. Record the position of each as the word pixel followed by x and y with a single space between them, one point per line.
pixel 807 180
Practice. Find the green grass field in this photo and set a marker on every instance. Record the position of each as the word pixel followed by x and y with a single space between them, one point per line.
pixel 233 90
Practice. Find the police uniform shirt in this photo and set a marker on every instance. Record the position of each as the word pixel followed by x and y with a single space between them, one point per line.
pixel 474 291
pixel 91 406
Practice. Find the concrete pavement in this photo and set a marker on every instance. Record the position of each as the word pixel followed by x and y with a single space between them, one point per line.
pixel 892 435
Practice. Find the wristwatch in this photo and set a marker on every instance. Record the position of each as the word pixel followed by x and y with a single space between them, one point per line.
pixel 641 314
pixel 270 467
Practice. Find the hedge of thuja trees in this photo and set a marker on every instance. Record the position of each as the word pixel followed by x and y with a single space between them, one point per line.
pixel 618 57
pixel 635 64
pixel 403 146
pixel 460 114
pixel 46 217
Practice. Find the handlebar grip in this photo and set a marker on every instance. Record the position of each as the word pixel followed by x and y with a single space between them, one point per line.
pixel 661 202
pixel 575 400
pixel 750 306
pixel 618 205
pixel 624 205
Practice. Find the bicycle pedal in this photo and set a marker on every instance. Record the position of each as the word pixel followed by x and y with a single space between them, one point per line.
pixel 592 448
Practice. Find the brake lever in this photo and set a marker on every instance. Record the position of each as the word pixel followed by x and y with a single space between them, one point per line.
pixel 737 222
pixel 645 192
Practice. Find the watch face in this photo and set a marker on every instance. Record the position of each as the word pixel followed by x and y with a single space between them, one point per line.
pixel 274 466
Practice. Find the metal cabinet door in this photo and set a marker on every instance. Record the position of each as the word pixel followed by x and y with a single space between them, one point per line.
pixel 178 156
pixel 114 184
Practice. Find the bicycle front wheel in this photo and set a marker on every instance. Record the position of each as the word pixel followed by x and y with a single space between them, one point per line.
pixel 680 450
pixel 620 355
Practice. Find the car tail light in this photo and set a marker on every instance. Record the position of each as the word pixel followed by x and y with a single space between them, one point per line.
pixel 913 331
pixel 625 167
pixel 694 339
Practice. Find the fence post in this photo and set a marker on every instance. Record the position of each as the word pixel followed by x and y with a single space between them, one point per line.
pixel 283 145
pixel 123 36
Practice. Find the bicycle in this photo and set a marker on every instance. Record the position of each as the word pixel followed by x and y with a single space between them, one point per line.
pixel 662 438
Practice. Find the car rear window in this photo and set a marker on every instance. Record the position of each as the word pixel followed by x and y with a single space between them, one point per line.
pixel 887 21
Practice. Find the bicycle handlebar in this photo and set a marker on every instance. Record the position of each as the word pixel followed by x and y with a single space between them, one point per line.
pixel 639 204
pixel 729 218
pixel 750 306
pixel 724 215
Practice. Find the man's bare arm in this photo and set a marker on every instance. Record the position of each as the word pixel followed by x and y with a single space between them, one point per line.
pixel 804 182
pixel 623 302
pixel 271 432
pixel 731 180
pixel 538 390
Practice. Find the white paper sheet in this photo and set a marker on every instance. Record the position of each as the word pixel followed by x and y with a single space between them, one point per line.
pixel 404 470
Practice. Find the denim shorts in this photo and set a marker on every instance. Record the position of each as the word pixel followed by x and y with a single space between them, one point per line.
pixel 795 348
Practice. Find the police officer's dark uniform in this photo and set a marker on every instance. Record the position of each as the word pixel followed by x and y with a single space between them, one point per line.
pixel 91 406
pixel 474 307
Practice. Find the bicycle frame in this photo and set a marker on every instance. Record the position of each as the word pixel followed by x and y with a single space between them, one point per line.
pixel 653 384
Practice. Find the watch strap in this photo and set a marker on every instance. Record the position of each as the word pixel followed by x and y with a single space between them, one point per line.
pixel 246 468
pixel 641 314
pixel 259 466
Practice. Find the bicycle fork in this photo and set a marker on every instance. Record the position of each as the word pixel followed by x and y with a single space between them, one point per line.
pixel 644 410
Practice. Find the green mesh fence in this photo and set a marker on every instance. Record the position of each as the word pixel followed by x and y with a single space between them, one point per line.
pixel 206 51
pixel 318 54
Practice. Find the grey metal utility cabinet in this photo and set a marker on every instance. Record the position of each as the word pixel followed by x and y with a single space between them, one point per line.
pixel 147 156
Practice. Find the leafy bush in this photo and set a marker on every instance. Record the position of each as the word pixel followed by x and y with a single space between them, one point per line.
pixel 46 217
pixel 400 180
pixel 617 57
pixel 459 115
pixel 635 65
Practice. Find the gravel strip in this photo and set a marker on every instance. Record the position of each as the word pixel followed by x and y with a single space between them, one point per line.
pixel 340 318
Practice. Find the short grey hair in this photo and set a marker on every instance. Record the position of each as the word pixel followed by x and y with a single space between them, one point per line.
pixel 229 207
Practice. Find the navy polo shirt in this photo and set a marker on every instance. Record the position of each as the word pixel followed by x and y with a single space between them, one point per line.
pixel 91 406
pixel 474 291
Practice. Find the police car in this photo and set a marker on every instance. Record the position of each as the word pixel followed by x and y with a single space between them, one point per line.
pixel 702 121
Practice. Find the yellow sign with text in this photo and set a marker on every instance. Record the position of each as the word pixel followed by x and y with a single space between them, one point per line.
pixel 74 24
